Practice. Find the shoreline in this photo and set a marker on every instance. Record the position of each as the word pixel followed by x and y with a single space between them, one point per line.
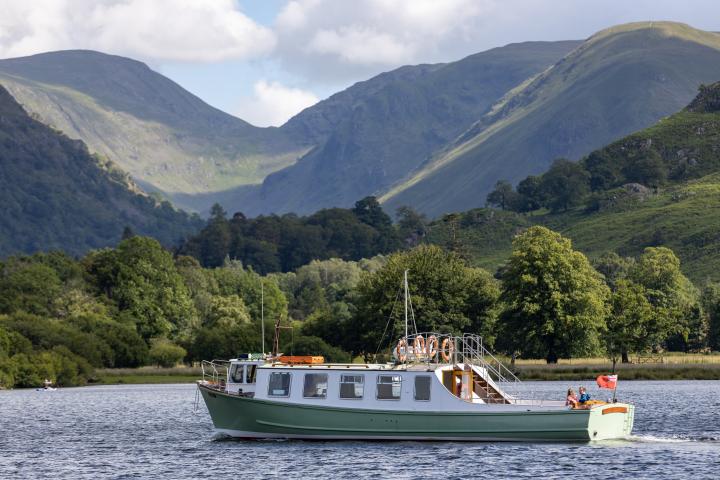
pixel 533 372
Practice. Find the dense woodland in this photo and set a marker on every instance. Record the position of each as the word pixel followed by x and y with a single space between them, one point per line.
pixel 138 304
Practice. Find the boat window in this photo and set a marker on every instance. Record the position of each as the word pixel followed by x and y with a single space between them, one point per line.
pixel 315 385
pixel 388 387
pixel 352 386
pixel 236 373
pixel 251 370
pixel 422 387
pixel 279 385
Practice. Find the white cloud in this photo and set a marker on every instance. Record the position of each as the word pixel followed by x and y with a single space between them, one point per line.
pixel 179 30
pixel 331 40
pixel 272 104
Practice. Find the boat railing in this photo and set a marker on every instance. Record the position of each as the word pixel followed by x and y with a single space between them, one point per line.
pixel 468 349
pixel 215 373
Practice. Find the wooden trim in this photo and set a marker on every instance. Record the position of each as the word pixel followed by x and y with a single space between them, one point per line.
pixel 614 410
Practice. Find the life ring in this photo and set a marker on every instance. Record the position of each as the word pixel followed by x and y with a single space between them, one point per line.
pixel 431 347
pixel 401 351
pixel 419 345
pixel 447 348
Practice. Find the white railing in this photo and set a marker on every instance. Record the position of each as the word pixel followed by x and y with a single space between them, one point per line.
pixel 467 349
pixel 215 373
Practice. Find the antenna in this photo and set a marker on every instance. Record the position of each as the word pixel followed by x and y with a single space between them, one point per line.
pixel 262 314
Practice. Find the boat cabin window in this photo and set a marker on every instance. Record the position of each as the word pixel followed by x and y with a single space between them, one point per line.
pixel 279 384
pixel 388 387
pixel 315 385
pixel 251 371
pixel 237 373
pixel 352 386
pixel 422 387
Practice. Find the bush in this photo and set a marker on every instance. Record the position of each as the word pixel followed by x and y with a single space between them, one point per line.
pixel 164 353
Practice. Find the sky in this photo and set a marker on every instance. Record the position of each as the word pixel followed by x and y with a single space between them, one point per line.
pixel 266 60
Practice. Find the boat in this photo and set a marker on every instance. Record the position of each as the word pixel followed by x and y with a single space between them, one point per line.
pixel 439 387
pixel 47 387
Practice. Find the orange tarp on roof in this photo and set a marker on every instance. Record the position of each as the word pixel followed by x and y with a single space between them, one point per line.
pixel 303 359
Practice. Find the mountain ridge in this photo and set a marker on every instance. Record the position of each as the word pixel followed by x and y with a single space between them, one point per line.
pixel 635 73
pixel 56 195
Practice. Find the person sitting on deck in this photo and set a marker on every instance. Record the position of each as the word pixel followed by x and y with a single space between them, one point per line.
pixel 571 400
pixel 584 396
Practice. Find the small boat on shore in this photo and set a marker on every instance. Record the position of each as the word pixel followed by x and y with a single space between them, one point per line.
pixel 47 387
pixel 439 387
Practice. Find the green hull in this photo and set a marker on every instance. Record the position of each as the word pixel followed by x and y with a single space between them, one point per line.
pixel 250 418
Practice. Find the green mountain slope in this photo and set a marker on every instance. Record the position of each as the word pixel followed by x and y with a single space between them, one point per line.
pixel 618 81
pixel 56 195
pixel 371 135
pixel 683 213
pixel 166 138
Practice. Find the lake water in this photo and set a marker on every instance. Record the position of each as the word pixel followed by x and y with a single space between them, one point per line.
pixel 145 431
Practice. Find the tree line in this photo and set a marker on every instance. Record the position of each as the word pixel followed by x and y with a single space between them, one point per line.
pixel 137 304
pixel 283 243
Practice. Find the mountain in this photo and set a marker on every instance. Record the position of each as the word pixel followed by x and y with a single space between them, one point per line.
pixel 56 195
pixel 680 212
pixel 371 135
pixel 618 81
pixel 169 140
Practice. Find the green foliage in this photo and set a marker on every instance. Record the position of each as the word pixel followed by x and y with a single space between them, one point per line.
pixel 672 296
pixel 227 312
pixel 554 301
pixel 630 321
pixel 55 194
pixel 142 278
pixel 164 353
pixel 27 286
pixel 711 304
pixel 284 243
pixel 315 346
pixel 446 296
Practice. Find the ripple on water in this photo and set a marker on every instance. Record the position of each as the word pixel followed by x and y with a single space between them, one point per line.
pixel 144 431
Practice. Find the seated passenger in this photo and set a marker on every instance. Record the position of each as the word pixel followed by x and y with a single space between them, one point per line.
pixel 584 396
pixel 571 400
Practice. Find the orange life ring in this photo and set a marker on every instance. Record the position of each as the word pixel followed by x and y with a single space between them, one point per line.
pixel 447 349
pixel 419 345
pixel 401 350
pixel 431 347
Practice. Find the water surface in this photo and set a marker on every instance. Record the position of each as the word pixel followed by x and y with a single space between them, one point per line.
pixel 144 431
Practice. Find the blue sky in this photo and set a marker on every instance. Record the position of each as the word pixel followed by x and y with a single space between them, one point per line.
pixel 265 60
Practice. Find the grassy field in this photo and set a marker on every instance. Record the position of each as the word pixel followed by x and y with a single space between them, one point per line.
pixel 674 367
pixel 119 376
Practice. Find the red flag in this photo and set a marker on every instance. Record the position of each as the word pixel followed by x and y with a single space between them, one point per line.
pixel 607 381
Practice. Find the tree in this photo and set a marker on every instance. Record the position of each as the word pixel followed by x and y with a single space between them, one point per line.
pixel 369 211
pixel 446 296
pixel 555 302
pixel 631 316
pixel 164 353
pixel 711 304
pixel 227 312
pixel 565 184
pixel 671 293
pixel 503 196
pixel 531 196
pixel 412 226
pixel 613 267
pixel 142 278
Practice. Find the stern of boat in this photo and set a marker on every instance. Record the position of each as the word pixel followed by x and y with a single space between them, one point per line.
pixel 611 421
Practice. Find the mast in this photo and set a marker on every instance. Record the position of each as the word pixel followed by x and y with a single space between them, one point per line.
pixel 405 285
pixel 262 314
